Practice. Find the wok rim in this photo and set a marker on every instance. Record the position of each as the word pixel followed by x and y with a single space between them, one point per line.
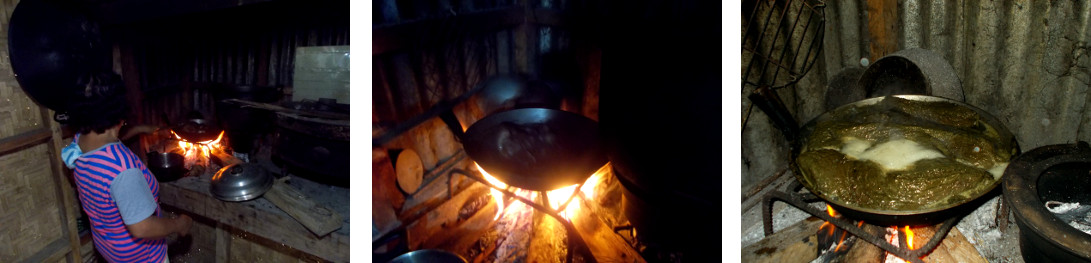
pixel 807 129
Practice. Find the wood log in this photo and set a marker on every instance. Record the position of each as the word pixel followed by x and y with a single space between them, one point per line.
pixel 385 200
pixel 410 171
pixel 549 242
pixel 786 245
pixel 862 251
pixel 421 143
pixel 443 141
pixel 432 229
pixel 604 243
pixel 954 248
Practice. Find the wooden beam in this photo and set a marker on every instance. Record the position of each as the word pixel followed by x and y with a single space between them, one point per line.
pixel 24 140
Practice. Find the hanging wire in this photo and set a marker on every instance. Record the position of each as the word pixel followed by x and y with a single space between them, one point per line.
pixel 775 45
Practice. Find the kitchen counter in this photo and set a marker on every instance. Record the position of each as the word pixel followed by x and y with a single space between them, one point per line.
pixel 261 219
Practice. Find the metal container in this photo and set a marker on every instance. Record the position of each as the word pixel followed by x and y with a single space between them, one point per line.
pixel 240 182
pixel 430 256
pixel 1049 173
pixel 166 166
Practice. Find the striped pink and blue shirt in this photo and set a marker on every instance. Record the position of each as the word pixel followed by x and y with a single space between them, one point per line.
pixel 95 173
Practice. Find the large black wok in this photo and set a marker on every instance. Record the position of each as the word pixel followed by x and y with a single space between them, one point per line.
pixel 890 216
pixel 535 148
pixel 51 44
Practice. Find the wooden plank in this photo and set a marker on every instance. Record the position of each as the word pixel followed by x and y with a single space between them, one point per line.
pixel 319 219
pixel 24 140
pixel 244 216
pixel 796 243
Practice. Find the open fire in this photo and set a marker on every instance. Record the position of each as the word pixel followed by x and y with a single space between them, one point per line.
pixel 564 200
pixel 199 153
pixel 828 232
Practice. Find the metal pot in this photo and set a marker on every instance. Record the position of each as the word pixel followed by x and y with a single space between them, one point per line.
pixel 429 256
pixel 1049 173
pixel 240 182
pixel 166 166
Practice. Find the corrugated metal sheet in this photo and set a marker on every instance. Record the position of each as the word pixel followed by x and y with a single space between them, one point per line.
pixel 1026 62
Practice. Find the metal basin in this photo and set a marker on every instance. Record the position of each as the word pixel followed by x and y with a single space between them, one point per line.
pixel 240 182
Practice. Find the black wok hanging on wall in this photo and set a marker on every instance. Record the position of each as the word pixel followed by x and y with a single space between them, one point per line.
pixel 52 44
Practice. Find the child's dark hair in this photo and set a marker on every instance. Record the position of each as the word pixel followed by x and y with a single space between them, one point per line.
pixel 98 104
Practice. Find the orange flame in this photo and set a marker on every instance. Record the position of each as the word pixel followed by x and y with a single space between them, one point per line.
pixel 496 194
pixel 199 152
pixel 909 237
pixel 893 231
pixel 557 197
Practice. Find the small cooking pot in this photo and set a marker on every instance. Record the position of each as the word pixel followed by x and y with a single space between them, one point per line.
pixel 166 166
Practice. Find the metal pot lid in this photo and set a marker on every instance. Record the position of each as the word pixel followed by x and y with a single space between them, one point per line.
pixel 240 182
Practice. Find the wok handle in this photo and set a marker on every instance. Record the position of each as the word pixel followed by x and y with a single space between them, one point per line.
pixel 449 118
pixel 769 102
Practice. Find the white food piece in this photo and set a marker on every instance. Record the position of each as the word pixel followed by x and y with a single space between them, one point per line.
pixel 896 154
pixel 998 170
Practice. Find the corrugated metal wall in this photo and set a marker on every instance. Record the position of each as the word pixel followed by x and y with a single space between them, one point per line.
pixel 1026 62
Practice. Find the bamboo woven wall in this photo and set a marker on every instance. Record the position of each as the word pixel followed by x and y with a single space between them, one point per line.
pixel 18 113
pixel 30 211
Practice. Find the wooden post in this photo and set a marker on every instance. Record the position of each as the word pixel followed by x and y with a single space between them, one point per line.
pixel 65 189
pixel 882 17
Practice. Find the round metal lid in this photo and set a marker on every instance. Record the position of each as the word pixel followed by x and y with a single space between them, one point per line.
pixel 240 182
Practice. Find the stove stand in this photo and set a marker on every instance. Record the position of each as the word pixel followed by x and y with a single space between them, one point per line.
pixel 799 200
